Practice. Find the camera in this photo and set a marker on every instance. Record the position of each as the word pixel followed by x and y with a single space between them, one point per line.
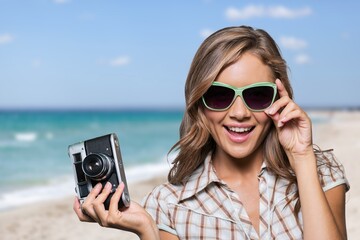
pixel 98 160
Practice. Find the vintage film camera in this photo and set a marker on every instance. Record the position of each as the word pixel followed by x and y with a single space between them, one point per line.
pixel 98 160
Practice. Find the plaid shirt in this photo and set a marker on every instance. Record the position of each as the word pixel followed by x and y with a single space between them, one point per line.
pixel 206 208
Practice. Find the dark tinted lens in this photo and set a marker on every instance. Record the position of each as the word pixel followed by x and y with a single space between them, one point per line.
pixel 218 97
pixel 258 98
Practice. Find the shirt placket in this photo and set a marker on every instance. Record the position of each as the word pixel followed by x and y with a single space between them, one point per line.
pixel 243 218
pixel 263 209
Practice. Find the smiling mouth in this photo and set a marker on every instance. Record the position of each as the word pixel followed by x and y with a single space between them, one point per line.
pixel 238 130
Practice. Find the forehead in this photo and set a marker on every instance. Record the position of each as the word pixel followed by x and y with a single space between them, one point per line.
pixel 248 69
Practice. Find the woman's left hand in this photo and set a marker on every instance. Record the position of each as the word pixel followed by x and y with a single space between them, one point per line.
pixel 292 123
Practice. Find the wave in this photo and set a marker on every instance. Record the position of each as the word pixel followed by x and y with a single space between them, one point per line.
pixel 26 136
pixel 35 194
pixel 23 139
pixel 64 186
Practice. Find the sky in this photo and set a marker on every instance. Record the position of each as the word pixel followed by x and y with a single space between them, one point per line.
pixel 74 54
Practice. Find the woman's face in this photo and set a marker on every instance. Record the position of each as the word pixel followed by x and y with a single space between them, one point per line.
pixel 238 132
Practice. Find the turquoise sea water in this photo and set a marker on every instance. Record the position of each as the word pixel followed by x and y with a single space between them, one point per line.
pixel 33 147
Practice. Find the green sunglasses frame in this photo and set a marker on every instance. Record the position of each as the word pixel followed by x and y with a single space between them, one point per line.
pixel 239 91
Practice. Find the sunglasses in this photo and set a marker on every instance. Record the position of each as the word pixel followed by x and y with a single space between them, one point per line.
pixel 257 97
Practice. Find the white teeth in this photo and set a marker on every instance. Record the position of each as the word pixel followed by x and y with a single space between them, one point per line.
pixel 239 130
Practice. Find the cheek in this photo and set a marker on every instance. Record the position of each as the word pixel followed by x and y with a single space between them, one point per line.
pixel 266 124
pixel 263 119
pixel 213 120
pixel 213 117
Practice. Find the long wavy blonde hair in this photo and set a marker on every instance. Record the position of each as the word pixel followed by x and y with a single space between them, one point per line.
pixel 217 52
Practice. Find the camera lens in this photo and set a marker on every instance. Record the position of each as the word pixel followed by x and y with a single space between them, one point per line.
pixel 97 166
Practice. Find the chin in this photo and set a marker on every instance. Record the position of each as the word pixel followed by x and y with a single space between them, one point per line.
pixel 242 152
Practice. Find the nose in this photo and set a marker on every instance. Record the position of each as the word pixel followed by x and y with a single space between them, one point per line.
pixel 239 110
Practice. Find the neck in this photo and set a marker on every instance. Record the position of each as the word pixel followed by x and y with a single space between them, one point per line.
pixel 231 169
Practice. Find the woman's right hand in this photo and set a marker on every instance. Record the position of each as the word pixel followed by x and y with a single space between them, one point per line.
pixel 134 218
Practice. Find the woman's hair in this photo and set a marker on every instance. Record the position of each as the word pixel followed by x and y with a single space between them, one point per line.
pixel 217 52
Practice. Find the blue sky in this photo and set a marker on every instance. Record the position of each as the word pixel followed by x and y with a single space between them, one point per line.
pixel 136 54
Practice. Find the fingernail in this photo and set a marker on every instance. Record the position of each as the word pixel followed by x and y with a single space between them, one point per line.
pixel 108 185
pixel 98 186
pixel 269 111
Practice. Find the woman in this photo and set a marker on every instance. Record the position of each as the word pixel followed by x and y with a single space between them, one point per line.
pixel 246 167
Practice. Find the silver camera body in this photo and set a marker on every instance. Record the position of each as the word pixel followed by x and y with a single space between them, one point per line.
pixel 98 160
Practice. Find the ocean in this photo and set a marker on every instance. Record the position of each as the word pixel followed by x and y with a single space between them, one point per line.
pixel 34 163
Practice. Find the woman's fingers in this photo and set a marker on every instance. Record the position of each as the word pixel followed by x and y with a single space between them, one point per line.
pixel 292 123
pixel 87 207
pixel 294 114
pixel 99 207
pixel 100 199
pixel 112 217
pixel 282 107
pixel 281 88
pixel 134 218
pixel 77 208
pixel 289 112
pixel 115 215
pixel 278 106
pixel 283 99
pixel 275 112
pixel 114 201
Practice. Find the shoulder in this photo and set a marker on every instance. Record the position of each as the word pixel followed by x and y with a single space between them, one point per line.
pixel 170 194
pixel 158 203
pixel 166 192
pixel 173 193
pixel 331 171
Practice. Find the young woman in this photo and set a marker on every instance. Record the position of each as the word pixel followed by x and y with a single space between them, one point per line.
pixel 246 166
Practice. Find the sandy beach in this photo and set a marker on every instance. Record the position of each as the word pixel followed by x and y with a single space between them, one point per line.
pixel 55 220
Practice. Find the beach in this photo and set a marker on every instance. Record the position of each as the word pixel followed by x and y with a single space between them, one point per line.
pixel 55 219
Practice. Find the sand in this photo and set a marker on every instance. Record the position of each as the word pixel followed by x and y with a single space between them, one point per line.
pixel 56 220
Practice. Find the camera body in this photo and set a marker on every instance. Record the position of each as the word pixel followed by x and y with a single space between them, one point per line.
pixel 98 160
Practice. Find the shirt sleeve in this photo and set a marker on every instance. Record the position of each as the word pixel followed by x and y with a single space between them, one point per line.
pixel 331 172
pixel 155 204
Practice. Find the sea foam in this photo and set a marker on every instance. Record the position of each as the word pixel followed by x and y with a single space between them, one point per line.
pixel 26 136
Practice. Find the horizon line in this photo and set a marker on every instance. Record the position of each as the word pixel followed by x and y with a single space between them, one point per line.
pixel 143 108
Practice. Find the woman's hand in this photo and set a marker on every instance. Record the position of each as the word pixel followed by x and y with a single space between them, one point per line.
pixel 134 218
pixel 292 123
pixel 323 214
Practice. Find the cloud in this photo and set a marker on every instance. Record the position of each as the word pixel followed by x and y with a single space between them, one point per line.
pixel 293 43
pixel 6 38
pixel 120 61
pixel 302 59
pixel 296 44
pixel 204 33
pixel 283 12
pixel 250 11
pixel 258 11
